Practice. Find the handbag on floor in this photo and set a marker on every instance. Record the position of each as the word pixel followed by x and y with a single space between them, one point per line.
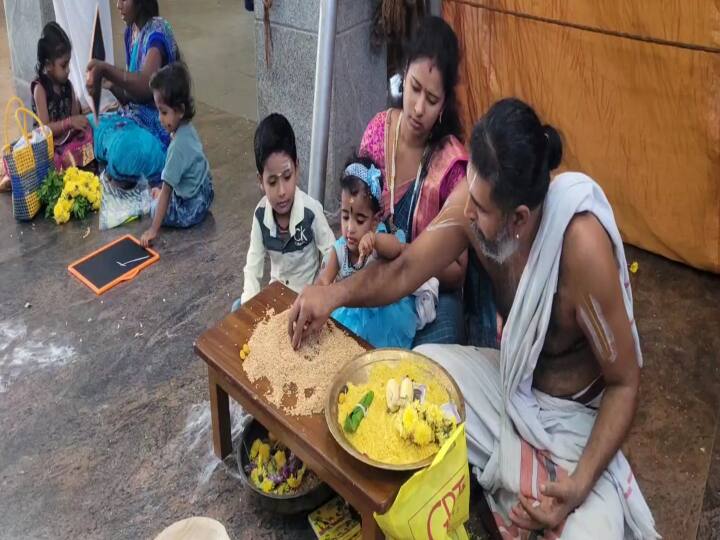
pixel 75 149
pixel 28 160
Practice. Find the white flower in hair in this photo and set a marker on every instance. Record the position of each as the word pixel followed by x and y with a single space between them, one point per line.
pixel 395 86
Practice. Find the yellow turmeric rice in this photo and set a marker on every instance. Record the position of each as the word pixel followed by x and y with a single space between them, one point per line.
pixel 376 436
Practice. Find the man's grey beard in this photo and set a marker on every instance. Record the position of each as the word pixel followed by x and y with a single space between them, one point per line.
pixel 498 250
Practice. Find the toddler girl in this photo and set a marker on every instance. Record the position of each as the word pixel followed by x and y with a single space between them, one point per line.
pixel 364 238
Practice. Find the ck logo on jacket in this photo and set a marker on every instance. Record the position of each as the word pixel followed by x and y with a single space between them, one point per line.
pixel 300 240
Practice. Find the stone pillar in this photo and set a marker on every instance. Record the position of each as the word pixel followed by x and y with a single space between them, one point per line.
pixel 286 85
pixel 25 20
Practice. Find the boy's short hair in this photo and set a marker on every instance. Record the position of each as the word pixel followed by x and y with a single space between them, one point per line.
pixel 274 134
pixel 173 84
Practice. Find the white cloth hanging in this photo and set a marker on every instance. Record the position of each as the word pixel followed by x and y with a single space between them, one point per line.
pixel 77 18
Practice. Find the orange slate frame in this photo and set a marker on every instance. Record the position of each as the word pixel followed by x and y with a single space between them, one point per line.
pixel 130 274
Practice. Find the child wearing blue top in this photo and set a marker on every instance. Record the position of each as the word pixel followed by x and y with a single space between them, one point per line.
pixel 364 239
pixel 187 190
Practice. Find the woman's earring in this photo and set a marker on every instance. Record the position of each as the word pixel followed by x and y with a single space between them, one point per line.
pixel 441 113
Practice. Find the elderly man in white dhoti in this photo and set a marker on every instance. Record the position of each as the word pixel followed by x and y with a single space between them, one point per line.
pixel 547 414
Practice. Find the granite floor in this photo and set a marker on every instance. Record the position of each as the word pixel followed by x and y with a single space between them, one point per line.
pixel 104 407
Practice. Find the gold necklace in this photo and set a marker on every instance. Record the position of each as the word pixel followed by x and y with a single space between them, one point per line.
pixel 392 165
pixel 392 174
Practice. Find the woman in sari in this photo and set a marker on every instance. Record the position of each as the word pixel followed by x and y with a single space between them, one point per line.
pixel 419 150
pixel 131 142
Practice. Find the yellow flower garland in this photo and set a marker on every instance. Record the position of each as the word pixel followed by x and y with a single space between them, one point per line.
pixel 76 183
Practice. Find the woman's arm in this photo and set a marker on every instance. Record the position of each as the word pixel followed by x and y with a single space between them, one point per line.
pixel 120 94
pixel 130 86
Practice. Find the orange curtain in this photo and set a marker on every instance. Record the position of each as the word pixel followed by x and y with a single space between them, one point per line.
pixel 634 90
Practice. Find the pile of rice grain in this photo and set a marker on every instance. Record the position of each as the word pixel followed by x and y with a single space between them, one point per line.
pixel 305 374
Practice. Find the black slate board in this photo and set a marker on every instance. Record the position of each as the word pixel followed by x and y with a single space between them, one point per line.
pixel 121 260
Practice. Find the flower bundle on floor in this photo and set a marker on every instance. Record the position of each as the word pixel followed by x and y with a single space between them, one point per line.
pixel 74 193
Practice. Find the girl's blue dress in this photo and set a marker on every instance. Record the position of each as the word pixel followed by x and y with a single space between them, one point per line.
pixel 388 326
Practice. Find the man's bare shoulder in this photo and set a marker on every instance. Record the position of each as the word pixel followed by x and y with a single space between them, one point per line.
pixel 587 250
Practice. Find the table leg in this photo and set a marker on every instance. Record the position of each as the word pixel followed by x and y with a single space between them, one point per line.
pixel 220 413
pixel 370 528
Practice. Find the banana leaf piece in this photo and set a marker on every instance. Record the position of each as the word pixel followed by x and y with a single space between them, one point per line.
pixel 354 417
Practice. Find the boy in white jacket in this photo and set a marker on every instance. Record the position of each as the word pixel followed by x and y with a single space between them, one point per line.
pixel 288 224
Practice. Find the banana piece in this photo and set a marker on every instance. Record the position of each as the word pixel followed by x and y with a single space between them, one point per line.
pixel 406 391
pixel 392 395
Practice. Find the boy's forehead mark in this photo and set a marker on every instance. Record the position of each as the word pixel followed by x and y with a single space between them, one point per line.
pixel 286 166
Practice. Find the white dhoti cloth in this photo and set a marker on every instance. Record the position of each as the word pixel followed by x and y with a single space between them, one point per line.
pixel 519 437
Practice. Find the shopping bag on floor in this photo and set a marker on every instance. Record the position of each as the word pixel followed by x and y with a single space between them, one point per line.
pixel 75 149
pixel 119 206
pixel 435 502
pixel 27 161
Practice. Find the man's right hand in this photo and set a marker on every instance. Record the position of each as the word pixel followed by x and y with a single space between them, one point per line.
pixel 310 312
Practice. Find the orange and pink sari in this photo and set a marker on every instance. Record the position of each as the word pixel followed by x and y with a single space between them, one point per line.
pixel 447 169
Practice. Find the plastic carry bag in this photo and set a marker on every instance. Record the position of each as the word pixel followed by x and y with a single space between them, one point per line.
pixel 120 206
pixel 435 502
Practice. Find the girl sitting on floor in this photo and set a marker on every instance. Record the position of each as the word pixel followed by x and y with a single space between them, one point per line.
pixel 363 240
pixel 53 98
pixel 187 190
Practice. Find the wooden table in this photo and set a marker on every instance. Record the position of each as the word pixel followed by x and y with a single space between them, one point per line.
pixel 366 488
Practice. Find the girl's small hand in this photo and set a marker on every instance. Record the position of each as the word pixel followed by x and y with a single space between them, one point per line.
pixel 148 236
pixel 79 122
pixel 366 246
